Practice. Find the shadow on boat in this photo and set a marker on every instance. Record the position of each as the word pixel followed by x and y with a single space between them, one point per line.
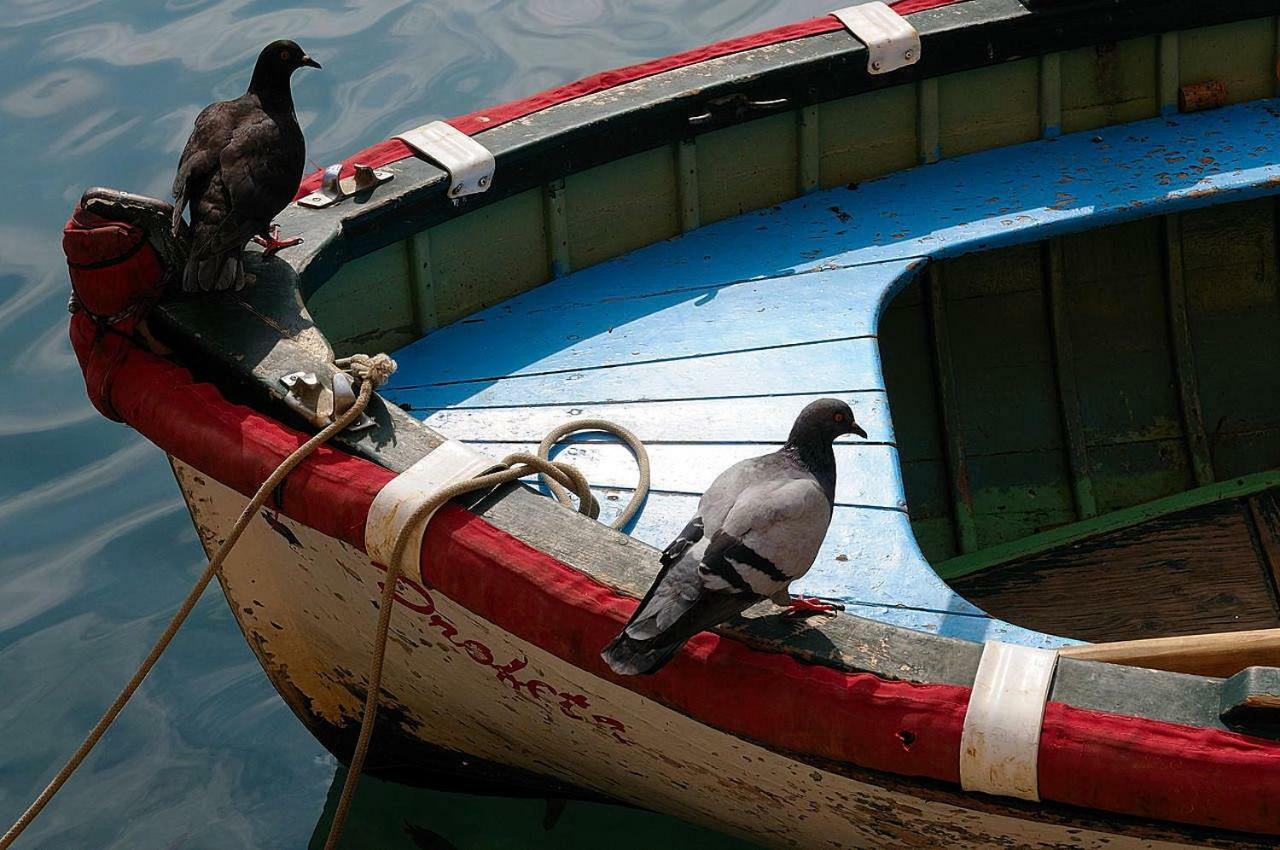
pixel 390 816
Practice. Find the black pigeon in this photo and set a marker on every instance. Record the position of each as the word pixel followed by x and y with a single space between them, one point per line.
pixel 240 168
pixel 758 528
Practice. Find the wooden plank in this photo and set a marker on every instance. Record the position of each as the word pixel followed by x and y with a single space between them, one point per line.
pixel 1239 55
pixel 957 463
pixel 473 270
pixel 1264 508
pixel 1221 655
pixel 747 167
pixel 928 121
pixel 989 107
pixel 809 149
pixel 1068 391
pixel 367 305
pixel 1184 355
pixel 638 190
pixel 867 475
pixel 1048 188
pixel 1184 573
pixel 421 287
pixel 759 419
pixel 1110 83
pixel 557 228
pixel 533 333
pixel 867 136
pixel 1051 95
pixel 687 184
pixel 1029 547
pixel 1170 72
pixel 1232 284
pixel 829 368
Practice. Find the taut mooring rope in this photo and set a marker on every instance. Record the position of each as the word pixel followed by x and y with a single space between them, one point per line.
pixel 373 371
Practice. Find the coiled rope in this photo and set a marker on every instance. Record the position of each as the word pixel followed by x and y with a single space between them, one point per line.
pixel 372 372
pixel 559 478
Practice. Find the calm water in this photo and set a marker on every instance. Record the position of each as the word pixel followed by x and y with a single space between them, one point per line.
pixel 97 548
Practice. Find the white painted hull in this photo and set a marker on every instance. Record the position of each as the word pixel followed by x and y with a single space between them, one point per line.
pixel 306 603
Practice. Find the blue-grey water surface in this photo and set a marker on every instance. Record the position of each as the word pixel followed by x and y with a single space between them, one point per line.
pixel 97 549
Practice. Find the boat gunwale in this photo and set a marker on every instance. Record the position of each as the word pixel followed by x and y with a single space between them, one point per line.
pixel 552 143
pixel 334 237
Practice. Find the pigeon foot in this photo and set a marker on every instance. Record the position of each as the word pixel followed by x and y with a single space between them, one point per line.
pixel 805 606
pixel 271 243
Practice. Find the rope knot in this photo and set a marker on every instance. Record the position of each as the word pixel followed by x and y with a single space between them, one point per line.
pixel 375 368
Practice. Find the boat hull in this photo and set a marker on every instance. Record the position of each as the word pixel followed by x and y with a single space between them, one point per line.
pixel 466 699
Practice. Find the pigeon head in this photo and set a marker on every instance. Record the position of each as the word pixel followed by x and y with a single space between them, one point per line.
pixel 277 62
pixel 822 421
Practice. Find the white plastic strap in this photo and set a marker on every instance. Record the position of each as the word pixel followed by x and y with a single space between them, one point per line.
pixel 1000 744
pixel 448 463
pixel 469 163
pixel 891 42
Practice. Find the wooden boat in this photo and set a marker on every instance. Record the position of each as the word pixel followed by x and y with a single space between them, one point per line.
pixel 1040 260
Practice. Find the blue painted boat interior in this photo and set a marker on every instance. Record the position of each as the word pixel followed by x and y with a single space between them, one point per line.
pixel 707 345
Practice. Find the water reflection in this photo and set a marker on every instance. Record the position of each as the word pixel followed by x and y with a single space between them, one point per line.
pixel 396 817
pixel 97 546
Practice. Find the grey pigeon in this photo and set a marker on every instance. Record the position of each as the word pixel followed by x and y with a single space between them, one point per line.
pixel 240 168
pixel 758 528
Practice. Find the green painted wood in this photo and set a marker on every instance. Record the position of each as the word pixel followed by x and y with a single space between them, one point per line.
pixel 557 229
pixel 1170 71
pixel 422 293
pixel 1111 83
pixel 928 122
pixel 489 255
pixel 810 149
pixel 989 107
pixel 1184 354
pixel 618 207
pixel 747 167
pixel 1239 55
pixel 1006 395
pixel 687 185
pixel 867 135
pixel 966 530
pixel 367 306
pixel 1031 545
pixel 1064 362
pixel 1233 313
pixel 1276 82
pixel 1116 309
pixel 1051 95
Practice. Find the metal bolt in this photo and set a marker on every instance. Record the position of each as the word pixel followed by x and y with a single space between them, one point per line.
pixel 455 189
pixel 909 54
pixel 484 181
pixel 875 65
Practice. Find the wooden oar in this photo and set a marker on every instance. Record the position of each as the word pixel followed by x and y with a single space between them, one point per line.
pixel 1221 654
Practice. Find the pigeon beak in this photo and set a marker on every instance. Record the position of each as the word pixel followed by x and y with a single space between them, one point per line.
pixel 309 62
pixel 855 428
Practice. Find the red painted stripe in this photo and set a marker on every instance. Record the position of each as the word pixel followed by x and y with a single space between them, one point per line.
pixel 1109 762
pixel 394 150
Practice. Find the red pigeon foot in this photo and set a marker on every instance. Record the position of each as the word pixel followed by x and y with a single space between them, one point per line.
pixel 804 606
pixel 272 243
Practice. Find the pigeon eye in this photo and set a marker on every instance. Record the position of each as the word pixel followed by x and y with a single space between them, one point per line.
pixel 839 417
pixel 284 54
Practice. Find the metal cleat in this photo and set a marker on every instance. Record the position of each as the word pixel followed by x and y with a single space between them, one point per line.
pixel 318 404
pixel 334 187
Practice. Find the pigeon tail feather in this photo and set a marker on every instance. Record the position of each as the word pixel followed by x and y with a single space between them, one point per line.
pixel 630 656
pixel 213 274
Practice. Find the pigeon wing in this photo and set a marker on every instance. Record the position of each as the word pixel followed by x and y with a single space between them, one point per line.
pixel 200 157
pixel 769 537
